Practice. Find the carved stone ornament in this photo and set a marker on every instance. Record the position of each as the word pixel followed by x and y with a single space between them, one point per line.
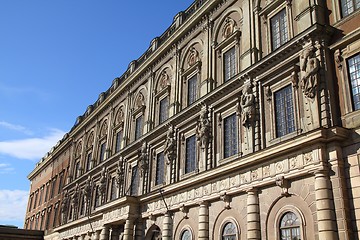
pixel 90 140
pixel 119 120
pixel 338 59
pixel 309 66
pixel 185 210
pixel 193 57
pixel 120 173
pixel 64 207
pixel 104 129
pixel 247 104
pixel 284 185
pixel 75 196
pixel 227 200
pixel 163 80
pixel 170 146
pixel 229 27
pixel 294 79
pixel 89 110
pixel 102 185
pixel 140 101
pixel 143 159
pixel 87 189
pixel 268 93
pixel 78 150
pixel 203 128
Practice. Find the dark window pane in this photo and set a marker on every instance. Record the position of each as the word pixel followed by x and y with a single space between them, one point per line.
pixel 229 231
pixel 290 227
pixel 134 181
pixel 190 163
pixel 192 90
pixel 102 151
pixel 88 161
pixel 138 127
pixel 118 141
pixel 284 111
pixel 229 64
pixel 230 136
pixel 279 32
pixel 164 110
pixel 354 73
pixel 160 165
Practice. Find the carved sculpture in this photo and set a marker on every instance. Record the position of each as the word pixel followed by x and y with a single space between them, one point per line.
pixel 309 65
pixel 119 174
pixel 284 185
pixel 102 186
pixel 247 104
pixel 203 128
pixel 193 57
pixel 170 146
pixel 143 160
pixel 64 207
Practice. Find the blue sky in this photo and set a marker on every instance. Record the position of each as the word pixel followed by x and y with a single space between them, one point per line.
pixel 56 57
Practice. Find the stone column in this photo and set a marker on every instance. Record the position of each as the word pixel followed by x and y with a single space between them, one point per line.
pixel 324 206
pixel 253 215
pixel 129 230
pixel 167 227
pixel 104 235
pixel 203 221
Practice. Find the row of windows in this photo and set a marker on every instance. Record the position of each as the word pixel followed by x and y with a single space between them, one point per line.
pixel 288 229
pixel 43 221
pixel 37 198
pixel 349 6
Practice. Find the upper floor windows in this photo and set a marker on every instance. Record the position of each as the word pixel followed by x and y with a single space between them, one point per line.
pixel 230 136
pixel 138 127
pixel 118 140
pixel 102 151
pixel 192 87
pixel 284 111
pixel 190 159
pixel 164 109
pixel 279 29
pixel 290 226
pixel 229 64
pixel 354 76
pixel 160 169
pixel 134 186
pixel 349 6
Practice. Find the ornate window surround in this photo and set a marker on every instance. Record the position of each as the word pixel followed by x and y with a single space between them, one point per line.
pixel 119 124
pixel 223 224
pixel 186 75
pixel 230 41
pixel 138 110
pixel 184 138
pixel 269 12
pixel 280 214
pixel 162 92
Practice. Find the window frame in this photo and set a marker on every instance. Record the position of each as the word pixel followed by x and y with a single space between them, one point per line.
pixel 279 215
pixel 188 74
pixel 156 166
pixel 193 161
pixel 349 80
pixel 275 107
pixel 186 229
pixel 224 223
pixel 350 13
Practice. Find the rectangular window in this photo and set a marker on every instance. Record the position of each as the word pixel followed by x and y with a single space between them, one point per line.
pixel 279 32
pixel 118 141
pixel 138 127
pixel 284 111
pixel 36 198
pixel 83 205
pixel 113 193
pixel 47 192
pixel 41 195
pixel 230 136
pixel 88 161
pixel 102 151
pixel 77 170
pixel 190 160
pixel 47 222
pixel 53 188
pixel 349 6
pixel 61 179
pixel 55 217
pixel 97 196
pixel 164 110
pixel 160 167
pixel 30 204
pixel 229 64
pixel 134 181
pixel 192 90
pixel 354 73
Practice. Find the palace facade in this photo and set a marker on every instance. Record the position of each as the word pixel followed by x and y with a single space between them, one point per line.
pixel 241 121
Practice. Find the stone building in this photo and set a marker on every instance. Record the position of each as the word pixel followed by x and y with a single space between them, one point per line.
pixel 241 121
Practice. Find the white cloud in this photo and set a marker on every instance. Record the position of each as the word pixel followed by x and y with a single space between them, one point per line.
pixel 31 148
pixel 14 127
pixel 13 205
pixel 6 168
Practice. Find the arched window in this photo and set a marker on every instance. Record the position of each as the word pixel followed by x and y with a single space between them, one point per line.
pixel 186 235
pixel 290 227
pixel 229 231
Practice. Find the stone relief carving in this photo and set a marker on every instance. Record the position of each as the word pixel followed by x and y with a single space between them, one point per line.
pixel 78 150
pixel 90 140
pixel 229 27
pixel 104 129
pixel 170 146
pixel 143 159
pixel 247 104
pixel 120 173
pixel 102 185
pixel 64 207
pixel 120 118
pixel 284 185
pixel 163 80
pixel 140 101
pixel 193 57
pixel 87 189
pixel 310 66
pixel 203 128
